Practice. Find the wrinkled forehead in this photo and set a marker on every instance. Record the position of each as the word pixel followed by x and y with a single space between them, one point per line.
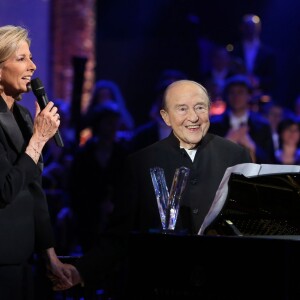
pixel 186 92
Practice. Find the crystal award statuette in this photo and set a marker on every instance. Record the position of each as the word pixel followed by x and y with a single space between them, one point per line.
pixel 168 204
pixel 161 192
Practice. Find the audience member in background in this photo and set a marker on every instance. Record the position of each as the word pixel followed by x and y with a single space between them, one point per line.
pixel 107 91
pixel 274 113
pixel 25 225
pixel 241 125
pixel 288 152
pixel 185 109
pixel 221 67
pixel 156 129
pixel 57 161
pixel 93 171
pixel 215 78
pixel 259 59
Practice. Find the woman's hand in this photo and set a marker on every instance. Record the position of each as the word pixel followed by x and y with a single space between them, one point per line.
pixel 46 123
pixel 58 272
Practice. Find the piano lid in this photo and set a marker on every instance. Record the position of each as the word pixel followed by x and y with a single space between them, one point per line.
pixel 260 205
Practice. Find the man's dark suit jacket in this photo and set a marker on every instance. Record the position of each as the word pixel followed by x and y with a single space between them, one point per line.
pixel 137 210
pixel 259 130
pixel 24 218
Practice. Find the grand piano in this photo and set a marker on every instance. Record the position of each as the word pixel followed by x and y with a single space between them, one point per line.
pixel 251 250
pixel 260 205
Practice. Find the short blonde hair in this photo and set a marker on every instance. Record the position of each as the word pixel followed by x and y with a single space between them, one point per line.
pixel 10 39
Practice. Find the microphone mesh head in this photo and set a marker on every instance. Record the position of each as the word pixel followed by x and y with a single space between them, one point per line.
pixel 37 87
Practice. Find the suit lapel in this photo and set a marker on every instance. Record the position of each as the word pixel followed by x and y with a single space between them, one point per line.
pixel 10 126
pixel 26 121
pixel 12 129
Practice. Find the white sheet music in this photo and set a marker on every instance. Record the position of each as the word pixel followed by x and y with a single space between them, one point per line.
pixel 248 170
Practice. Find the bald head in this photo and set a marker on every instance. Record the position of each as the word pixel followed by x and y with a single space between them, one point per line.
pixel 183 87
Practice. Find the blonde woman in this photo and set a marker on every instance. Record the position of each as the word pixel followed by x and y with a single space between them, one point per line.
pixel 25 225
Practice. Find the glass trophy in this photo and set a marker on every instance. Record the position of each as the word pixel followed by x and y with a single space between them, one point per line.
pixel 169 203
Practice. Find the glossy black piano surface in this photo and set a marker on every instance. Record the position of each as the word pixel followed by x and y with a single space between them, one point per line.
pixel 250 251
pixel 169 267
pixel 260 205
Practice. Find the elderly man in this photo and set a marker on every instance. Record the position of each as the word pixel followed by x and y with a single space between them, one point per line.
pixel 185 109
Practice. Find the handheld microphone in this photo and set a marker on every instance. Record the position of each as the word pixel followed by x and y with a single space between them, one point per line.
pixel 42 99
